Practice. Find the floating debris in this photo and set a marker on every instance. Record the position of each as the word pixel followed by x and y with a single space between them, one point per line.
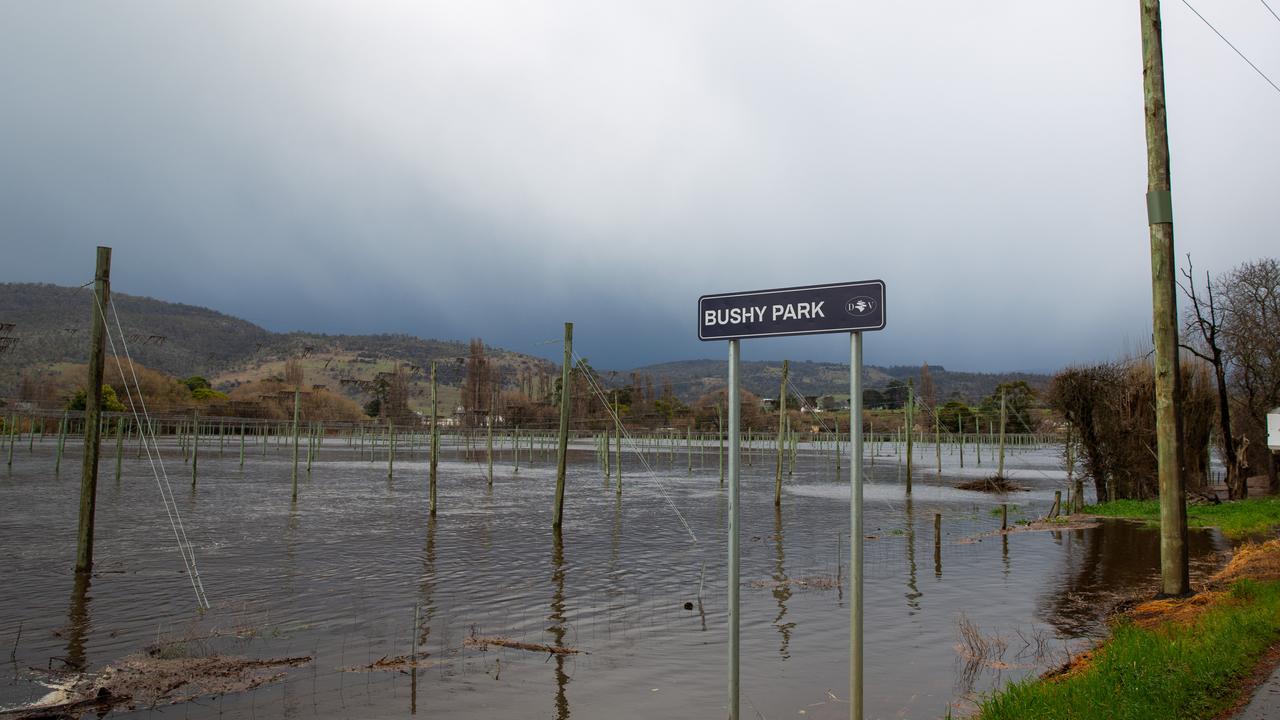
pixel 993 484
pixel 483 643
pixel 148 681
pixel 399 663
pixel 815 582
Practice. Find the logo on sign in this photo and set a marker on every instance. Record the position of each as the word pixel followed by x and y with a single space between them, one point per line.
pixel 860 306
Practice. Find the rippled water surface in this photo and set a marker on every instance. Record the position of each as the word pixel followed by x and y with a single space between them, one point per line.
pixel 343 573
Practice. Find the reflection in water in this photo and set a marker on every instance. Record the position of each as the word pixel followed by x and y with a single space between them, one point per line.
pixel 291 539
pixel 78 624
pixel 781 587
pixel 937 545
pixel 616 536
pixel 1097 561
pixel 913 589
pixel 422 632
pixel 557 618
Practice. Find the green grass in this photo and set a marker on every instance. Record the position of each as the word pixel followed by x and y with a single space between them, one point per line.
pixel 1172 671
pixel 1237 519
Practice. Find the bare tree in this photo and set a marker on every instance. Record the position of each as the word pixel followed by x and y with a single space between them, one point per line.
pixel 294 375
pixel 928 395
pixel 1250 316
pixel 1204 322
pixel 477 387
pixel 396 405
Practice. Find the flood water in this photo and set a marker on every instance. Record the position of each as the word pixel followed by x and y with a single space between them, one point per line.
pixel 343 573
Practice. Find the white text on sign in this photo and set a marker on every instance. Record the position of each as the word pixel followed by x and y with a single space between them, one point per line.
pixel 790 311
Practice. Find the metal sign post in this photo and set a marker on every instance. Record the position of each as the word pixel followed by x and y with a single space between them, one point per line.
pixel 809 310
pixel 735 440
pixel 855 525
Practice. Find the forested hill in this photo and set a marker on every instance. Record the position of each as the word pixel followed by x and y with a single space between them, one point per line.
pixel 690 379
pixel 43 325
pixel 49 324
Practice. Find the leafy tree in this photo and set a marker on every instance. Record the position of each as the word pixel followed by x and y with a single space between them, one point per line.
pixel 110 402
pixel 895 394
pixel 669 407
pixel 207 393
pixel 373 408
pixel 955 416
pixel 1019 397
pixel 195 382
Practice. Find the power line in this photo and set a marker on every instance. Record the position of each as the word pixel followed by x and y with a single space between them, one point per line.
pixel 1233 47
pixel 1268 7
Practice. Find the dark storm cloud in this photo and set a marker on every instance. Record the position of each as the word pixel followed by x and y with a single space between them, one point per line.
pixel 495 169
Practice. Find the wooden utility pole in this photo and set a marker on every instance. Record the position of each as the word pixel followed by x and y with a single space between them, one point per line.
pixel 1174 570
pixel 782 429
pixel 93 411
pixel 558 513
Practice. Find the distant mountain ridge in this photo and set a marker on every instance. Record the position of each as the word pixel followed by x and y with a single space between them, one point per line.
pixel 50 325
pixel 691 379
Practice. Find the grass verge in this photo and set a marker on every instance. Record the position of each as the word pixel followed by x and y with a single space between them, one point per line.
pixel 1236 519
pixel 1181 658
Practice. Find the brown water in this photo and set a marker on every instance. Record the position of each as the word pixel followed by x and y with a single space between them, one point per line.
pixel 342 573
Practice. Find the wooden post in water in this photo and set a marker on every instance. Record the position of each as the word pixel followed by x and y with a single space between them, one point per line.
pixel 937 438
pixel 937 544
pixel 782 428
pixel 62 442
pixel 617 457
pixel 242 445
pixel 791 440
pixel 391 449
pixel 910 410
pixel 13 424
pixel 836 419
pixel 92 412
pixel 720 435
pixel 1004 516
pixel 977 438
pixel 493 400
pixel 1003 418
pixel 563 459
pixel 297 405
pixel 689 447
pixel 195 445
pixel 435 438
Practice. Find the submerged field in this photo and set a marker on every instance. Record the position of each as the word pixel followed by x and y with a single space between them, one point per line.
pixel 393 608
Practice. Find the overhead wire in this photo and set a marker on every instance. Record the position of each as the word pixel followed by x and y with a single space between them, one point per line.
pixel 1224 39
pixel 1268 7
pixel 591 382
pixel 185 548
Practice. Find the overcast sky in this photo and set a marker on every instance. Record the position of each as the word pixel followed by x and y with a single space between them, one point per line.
pixel 495 168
